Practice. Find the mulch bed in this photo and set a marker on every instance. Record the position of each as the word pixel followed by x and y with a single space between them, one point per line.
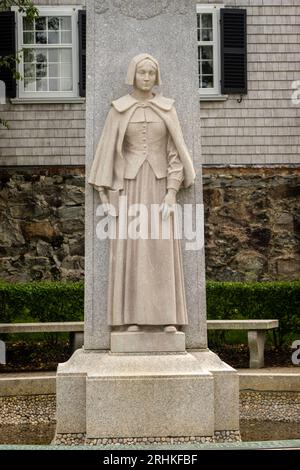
pixel 237 355
pixel 44 356
pixel 34 356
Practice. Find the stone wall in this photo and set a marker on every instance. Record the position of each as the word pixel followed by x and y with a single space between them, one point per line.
pixel 41 224
pixel 252 223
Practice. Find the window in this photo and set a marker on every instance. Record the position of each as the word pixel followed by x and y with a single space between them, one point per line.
pixel 49 63
pixel 208 39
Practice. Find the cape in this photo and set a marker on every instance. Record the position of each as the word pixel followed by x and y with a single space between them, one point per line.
pixel 108 165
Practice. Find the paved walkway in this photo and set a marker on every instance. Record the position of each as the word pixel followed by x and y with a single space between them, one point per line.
pixel 281 379
pixel 268 445
pixel 284 379
pixel 274 370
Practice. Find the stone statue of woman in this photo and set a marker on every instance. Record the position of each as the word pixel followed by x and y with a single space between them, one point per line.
pixel 142 155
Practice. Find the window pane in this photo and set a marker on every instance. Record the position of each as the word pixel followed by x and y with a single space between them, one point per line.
pixel 29 55
pixel 198 26
pixel 66 84
pixel 41 38
pixel 207 35
pixel 66 70
pixel 66 22
pixel 66 55
pixel 29 84
pixel 28 38
pixel 53 37
pixel 40 23
pixel 41 70
pixel 53 23
pixel 54 84
pixel 207 81
pixel 66 37
pixel 206 20
pixel 199 52
pixel 42 84
pixel 53 55
pixel 53 70
pixel 41 55
pixel 27 24
pixel 29 70
pixel 207 67
pixel 206 52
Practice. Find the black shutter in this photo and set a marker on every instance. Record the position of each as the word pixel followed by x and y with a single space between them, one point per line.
pixel 233 51
pixel 82 51
pixel 7 47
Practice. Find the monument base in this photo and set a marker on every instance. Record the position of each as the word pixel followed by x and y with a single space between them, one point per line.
pixel 144 341
pixel 103 395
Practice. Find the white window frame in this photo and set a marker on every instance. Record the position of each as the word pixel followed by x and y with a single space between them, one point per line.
pixel 57 10
pixel 215 91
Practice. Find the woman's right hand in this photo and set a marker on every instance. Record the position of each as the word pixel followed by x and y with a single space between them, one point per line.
pixel 104 200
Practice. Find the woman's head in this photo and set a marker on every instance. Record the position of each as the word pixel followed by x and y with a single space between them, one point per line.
pixel 143 72
pixel 145 75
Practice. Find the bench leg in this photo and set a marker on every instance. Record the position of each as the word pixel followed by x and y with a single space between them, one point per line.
pixel 76 340
pixel 256 342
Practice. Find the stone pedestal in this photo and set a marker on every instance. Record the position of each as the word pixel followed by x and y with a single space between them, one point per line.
pixel 107 395
pixel 146 342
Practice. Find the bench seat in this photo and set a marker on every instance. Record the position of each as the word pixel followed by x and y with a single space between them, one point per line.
pixel 256 333
pixel 256 336
pixel 74 328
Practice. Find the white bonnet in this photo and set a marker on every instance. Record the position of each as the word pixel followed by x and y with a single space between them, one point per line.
pixel 132 68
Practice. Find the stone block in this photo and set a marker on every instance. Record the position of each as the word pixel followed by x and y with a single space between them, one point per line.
pixel 70 403
pixel 144 341
pixel 135 395
pixel 149 395
pixel 226 390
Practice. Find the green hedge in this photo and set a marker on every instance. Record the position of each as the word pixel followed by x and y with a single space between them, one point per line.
pixel 41 301
pixel 259 300
pixel 64 301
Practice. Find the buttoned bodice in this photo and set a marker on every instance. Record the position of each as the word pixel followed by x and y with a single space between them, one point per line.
pixel 147 138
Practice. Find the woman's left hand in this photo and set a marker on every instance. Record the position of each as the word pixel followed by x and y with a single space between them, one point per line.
pixel 168 204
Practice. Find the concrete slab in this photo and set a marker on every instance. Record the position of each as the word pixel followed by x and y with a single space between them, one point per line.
pixel 44 383
pixel 29 383
pixel 283 379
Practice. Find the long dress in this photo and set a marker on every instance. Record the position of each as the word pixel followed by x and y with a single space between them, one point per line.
pixel 146 281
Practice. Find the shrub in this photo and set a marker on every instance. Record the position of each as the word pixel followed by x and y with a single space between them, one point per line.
pixel 41 301
pixel 64 301
pixel 259 300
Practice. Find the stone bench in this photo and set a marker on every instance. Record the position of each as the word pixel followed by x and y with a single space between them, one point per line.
pixel 75 329
pixel 256 335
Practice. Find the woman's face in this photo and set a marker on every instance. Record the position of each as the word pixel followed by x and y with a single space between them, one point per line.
pixel 145 75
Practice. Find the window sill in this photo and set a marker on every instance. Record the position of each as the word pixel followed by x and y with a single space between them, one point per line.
pixel 213 97
pixel 47 100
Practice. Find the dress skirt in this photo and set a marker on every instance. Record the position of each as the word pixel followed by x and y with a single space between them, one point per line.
pixel 146 282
